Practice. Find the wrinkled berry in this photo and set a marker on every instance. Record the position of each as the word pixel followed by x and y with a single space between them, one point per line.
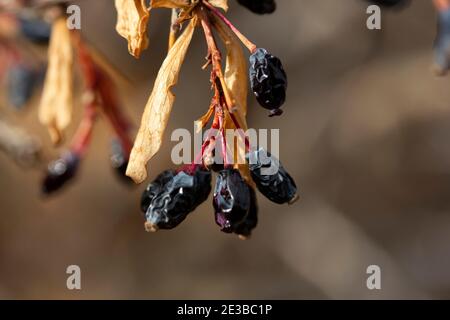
pixel 35 30
pixel 119 160
pixel 173 195
pixel 245 228
pixel 259 6
pixel 59 172
pixel 276 184
pixel 21 82
pixel 268 80
pixel 231 200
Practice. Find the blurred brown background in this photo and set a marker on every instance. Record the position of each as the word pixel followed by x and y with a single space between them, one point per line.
pixel 365 135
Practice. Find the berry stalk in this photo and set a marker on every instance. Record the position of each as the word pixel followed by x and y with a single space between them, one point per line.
pixel 250 45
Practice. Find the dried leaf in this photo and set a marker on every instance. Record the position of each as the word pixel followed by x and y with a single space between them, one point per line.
pixel 171 4
pixel 57 97
pixel 222 4
pixel 159 106
pixel 132 20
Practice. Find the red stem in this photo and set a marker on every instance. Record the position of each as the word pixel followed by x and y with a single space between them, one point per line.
pixel 250 45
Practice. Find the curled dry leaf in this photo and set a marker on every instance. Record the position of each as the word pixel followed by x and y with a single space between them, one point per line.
pixel 132 20
pixel 159 106
pixel 56 105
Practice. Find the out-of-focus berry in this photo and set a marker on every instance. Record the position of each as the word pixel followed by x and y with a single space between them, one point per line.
pixel 35 30
pixel 259 6
pixel 59 172
pixel 231 201
pixel 278 186
pixel 268 80
pixel 21 82
pixel 119 160
pixel 442 42
pixel 173 195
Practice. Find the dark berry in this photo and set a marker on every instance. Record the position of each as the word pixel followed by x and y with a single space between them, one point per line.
pixel 245 228
pixel 231 200
pixel 274 183
pixel 173 195
pixel 119 161
pixel 259 6
pixel 155 188
pixel 35 30
pixel 59 172
pixel 21 82
pixel 268 80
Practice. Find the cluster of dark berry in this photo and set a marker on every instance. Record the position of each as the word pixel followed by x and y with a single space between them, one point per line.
pixel 170 198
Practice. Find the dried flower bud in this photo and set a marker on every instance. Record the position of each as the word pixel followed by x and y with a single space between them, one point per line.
pixel 173 195
pixel 259 6
pixel 268 80
pixel 60 171
pixel 231 200
pixel 21 82
pixel 279 187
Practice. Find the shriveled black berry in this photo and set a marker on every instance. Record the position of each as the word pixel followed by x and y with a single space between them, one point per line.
pixel 231 200
pixel 155 188
pixel 173 195
pixel 268 80
pixel 119 161
pixel 35 30
pixel 245 228
pixel 21 82
pixel 274 183
pixel 59 172
pixel 259 6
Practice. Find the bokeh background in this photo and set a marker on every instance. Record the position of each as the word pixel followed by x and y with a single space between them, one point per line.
pixel 365 135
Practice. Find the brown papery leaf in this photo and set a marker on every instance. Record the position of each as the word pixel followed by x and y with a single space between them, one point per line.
pixel 132 20
pixel 56 105
pixel 222 4
pixel 156 114
pixel 171 4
